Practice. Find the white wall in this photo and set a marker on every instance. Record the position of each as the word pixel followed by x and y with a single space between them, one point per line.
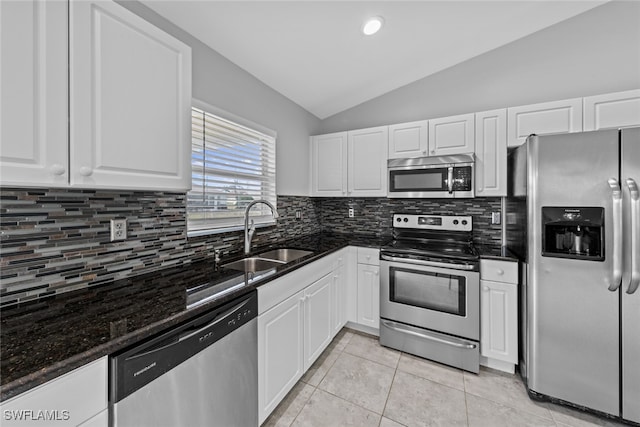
pixel 593 53
pixel 219 82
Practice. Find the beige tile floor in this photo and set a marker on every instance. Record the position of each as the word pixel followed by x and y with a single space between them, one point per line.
pixel 357 382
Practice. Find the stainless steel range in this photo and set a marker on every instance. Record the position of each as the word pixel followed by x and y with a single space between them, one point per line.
pixel 430 290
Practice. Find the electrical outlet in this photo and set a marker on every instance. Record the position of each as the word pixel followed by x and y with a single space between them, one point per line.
pixel 118 229
pixel 351 213
pixel 495 218
pixel 298 214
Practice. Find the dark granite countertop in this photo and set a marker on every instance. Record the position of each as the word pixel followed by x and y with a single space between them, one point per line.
pixel 500 253
pixel 41 340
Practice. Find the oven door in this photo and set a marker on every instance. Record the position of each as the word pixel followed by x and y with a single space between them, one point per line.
pixel 431 297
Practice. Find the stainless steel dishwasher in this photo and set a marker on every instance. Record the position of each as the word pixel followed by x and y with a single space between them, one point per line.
pixel 201 373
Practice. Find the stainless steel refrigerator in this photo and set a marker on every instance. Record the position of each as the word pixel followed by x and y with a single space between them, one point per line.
pixel 573 215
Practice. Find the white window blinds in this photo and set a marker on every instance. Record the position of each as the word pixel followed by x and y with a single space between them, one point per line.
pixel 232 165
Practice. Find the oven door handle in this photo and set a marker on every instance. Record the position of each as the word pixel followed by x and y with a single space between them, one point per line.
pixel 400 328
pixel 428 263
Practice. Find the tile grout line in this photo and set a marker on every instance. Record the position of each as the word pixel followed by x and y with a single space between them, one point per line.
pixel 315 388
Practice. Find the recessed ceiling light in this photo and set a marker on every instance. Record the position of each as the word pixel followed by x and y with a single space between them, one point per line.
pixel 372 25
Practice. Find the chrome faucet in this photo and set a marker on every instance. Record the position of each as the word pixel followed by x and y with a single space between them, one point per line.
pixel 250 229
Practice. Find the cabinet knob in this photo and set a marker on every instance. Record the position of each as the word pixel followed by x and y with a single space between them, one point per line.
pixel 376 273
pixel 424 151
pixel 57 169
pixel 86 171
pixel 480 190
pixel 500 272
pixel 485 288
pixel 368 257
pixel 433 151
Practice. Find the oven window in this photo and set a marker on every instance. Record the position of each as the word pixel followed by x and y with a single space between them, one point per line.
pixel 434 291
pixel 412 180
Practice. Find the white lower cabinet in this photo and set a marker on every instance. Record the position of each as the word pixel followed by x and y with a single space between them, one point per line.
pixel 369 288
pixel 499 314
pixel 318 323
pixel 339 292
pixel 369 295
pixel 280 352
pixel 293 332
pixel 73 399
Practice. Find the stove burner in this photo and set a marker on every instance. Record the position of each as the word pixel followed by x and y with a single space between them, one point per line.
pixel 444 244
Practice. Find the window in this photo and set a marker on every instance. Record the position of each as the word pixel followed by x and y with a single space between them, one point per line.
pixel 232 165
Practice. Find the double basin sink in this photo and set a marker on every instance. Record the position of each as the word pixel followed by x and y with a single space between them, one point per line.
pixel 267 260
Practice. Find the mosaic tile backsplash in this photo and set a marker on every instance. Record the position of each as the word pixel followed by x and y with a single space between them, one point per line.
pixel 54 241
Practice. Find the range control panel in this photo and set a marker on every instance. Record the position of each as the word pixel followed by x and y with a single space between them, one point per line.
pixel 433 222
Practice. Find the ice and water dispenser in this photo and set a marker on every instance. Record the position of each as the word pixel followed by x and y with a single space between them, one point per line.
pixel 573 232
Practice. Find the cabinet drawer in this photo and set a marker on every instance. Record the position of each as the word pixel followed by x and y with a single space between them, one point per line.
pixel 499 271
pixel 369 256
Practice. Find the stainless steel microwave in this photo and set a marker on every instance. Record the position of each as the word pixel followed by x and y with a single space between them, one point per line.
pixel 432 177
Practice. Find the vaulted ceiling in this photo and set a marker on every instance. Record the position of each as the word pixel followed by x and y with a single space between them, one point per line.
pixel 314 53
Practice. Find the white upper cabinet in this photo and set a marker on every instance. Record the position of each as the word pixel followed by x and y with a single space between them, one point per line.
pixel 451 135
pixel 542 119
pixel 491 153
pixel 93 96
pixel 33 88
pixel 329 164
pixel 367 159
pixel 350 163
pixel 130 101
pixel 612 110
pixel 408 140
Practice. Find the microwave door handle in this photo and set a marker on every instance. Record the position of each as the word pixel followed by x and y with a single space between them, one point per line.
pixel 450 179
pixel 635 239
pixel 616 196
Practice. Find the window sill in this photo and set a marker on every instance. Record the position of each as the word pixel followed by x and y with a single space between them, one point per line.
pixel 211 231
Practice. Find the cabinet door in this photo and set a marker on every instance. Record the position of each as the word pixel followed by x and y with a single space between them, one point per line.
pixel 130 101
pixel 75 397
pixel 542 119
pixel 369 295
pixel 329 165
pixel 451 135
pixel 318 327
pixel 280 352
pixel 367 162
pixel 408 139
pixel 499 321
pixel 33 84
pixel 491 153
pixel 612 110
pixel 339 295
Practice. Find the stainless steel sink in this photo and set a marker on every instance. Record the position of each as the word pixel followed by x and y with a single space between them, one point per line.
pixel 267 260
pixel 253 264
pixel 286 254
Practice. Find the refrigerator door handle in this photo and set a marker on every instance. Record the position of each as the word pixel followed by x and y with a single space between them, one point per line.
pixel 635 240
pixel 616 195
